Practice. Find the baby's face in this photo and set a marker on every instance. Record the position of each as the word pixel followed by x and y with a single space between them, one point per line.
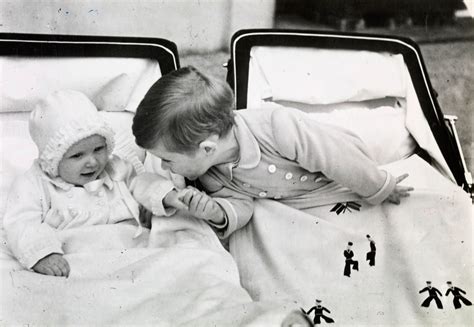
pixel 84 161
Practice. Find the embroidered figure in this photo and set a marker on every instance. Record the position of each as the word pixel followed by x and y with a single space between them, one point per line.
pixel 342 207
pixel 433 295
pixel 370 257
pixel 319 313
pixel 458 298
pixel 349 254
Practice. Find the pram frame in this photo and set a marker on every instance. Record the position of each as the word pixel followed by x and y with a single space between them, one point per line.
pixel 57 45
pixel 238 71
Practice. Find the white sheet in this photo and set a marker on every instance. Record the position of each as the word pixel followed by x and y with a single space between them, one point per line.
pixel 179 274
pixel 287 254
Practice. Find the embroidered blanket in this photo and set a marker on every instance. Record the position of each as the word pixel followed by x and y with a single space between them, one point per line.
pixel 367 264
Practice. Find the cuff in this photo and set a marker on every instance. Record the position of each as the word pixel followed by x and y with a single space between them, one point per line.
pixel 220 226
pixel 230 216
pixel 32 256
pixel 385 190
pixel 157 195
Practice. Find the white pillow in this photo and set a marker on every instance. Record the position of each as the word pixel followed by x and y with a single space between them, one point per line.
pixel 17 151
pixel 125 146
pixel 114 95
pixel 322 76
pixel 113 83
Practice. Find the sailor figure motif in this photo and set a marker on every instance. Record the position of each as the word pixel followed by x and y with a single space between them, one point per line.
pixel 458 298
pixel 319 313
pixel 433 295
pixel 354 264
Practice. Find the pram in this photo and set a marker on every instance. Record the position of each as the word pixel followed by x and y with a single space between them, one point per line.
pixel 272 252
pixel 377 87
pixel 177 273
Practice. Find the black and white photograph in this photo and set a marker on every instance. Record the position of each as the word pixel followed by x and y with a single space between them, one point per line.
pixel 236 162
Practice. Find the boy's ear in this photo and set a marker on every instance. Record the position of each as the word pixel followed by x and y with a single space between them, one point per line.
pixel 209 145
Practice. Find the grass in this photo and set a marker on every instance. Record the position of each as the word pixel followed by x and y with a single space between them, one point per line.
pixel 450 66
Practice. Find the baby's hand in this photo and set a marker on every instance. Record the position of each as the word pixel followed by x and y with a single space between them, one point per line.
pixel 202 206
pixel 399 191
pixel 174 199
pixel 53 265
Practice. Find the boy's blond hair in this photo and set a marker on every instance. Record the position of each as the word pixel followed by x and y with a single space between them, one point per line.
pixel 182 109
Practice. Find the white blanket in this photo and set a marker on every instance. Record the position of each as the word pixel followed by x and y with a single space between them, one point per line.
pixel 178 274
pixel 287 254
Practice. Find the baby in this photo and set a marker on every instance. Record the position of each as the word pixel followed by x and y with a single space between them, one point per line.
pixel 75 182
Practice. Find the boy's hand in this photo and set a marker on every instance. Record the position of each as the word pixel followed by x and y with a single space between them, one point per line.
pixel 399 191
pixel 202 206
pixel 53 265
pixel 173 199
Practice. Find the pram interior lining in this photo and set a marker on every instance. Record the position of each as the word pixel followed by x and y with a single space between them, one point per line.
pixel 369 93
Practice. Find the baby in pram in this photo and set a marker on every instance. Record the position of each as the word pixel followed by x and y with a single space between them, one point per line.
pixel 75 182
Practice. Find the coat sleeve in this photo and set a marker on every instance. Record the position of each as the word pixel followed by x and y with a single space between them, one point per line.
pixel 29 238
pixel 238 207
pixel 148 188
pixel 336 152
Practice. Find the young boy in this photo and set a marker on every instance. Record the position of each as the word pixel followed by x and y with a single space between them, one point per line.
pixel 187 120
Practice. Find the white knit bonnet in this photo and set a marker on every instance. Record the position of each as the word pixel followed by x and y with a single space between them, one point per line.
pixel 59 121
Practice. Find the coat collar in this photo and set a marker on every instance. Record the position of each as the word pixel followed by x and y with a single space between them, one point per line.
pixel 250 154
pixel 93 186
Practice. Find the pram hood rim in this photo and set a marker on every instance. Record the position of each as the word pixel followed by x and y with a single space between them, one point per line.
pixel 243 40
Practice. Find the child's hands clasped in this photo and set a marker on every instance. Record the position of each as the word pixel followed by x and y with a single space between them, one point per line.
pixel 399 191
pixel 174 199
pixel 202 206
pixel 53 265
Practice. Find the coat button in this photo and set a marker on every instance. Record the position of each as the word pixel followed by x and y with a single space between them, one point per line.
pixel 246 185
pixel 277 197
pixel 262 194
pixel 318 179
pixel 304 178
pixel 272 169
pixel 288 176
pixel 69 194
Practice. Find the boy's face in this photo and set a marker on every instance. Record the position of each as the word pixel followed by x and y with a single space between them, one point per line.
pixel 189 165
pixel 84 161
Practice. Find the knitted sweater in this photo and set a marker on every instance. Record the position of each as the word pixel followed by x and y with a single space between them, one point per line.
pixel 38 206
